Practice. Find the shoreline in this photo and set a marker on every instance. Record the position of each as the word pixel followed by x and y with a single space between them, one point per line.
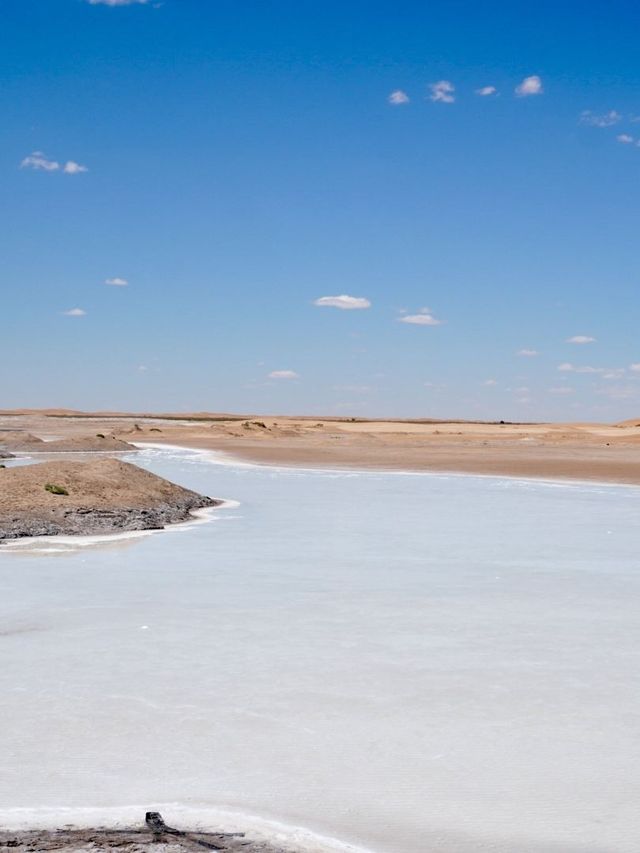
pixel 578 452
pixel 237 459
pixel 81 824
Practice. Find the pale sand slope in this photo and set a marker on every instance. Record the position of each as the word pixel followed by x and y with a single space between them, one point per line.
pixel 23 441
pixel 104 496
pixel 607 452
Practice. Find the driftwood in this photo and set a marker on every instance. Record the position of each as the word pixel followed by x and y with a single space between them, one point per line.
pixel 72 840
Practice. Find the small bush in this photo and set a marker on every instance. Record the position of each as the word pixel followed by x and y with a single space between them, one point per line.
pixel 100 435
pixel 2 466
pixel 55 490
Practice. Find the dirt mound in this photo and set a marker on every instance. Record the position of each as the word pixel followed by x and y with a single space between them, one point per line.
pixel 88 444
pixel 26 442
pixel 18 440
pixel 86 498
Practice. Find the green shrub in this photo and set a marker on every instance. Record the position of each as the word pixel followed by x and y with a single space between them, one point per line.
pixel 100 435
pixel 56 490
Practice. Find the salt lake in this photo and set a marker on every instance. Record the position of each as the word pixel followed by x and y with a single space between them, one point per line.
pixel 387 662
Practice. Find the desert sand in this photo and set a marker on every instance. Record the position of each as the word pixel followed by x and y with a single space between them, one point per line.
pixel 100 496
pixel 582 451
pixel 24 441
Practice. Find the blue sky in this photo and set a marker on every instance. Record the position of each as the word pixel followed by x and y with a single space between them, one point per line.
pixel 235 163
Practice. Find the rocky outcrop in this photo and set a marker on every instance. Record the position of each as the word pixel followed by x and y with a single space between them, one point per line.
pixel 88 498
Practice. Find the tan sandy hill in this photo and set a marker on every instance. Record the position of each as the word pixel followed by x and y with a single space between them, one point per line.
pixel 26 442
pixel 12 440
pixel 85 498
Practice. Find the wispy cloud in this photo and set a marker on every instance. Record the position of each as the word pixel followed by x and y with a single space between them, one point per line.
pixel 625 138
pixel 619 392
pixel 117 282
pixel 283 374
pixel 562 390
pixel 40 162
pixel 398 97
pixel 486 91
pixel 490 383
pixel 580 339
pixel 605 372
pixel 529 86
pixel 37 161
pixel 347 303
pixel 442 92
pixel 600 120
pixel 635 368
pixel 116 2
pixel 528 353
pixel 75 312
pixel 423 318
pixel 567 367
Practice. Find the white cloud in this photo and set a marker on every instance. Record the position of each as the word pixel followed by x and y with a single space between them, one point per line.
pixel 73 168
pixel 424 318
pixel 117 282
pixel 347 303
pixel 624 138
pixel 37 160
pixel 635 367
pixel 398 97
pixel 442 92
pixel 485 91
pixel 563 390
pixel 529 353
pixel 603 120
pixel 529 86
pixel 116 2
pixel 75 312
pixel 283 374
pixel 580 339
pixel 490 382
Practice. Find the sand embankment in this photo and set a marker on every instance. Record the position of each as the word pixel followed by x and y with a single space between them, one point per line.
pixel 600 452
pixel 102 496
pixel 581 451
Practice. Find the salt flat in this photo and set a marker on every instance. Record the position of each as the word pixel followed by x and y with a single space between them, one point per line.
pixel 399 662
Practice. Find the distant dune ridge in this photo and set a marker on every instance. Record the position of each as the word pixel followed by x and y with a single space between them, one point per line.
pixel 88 498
